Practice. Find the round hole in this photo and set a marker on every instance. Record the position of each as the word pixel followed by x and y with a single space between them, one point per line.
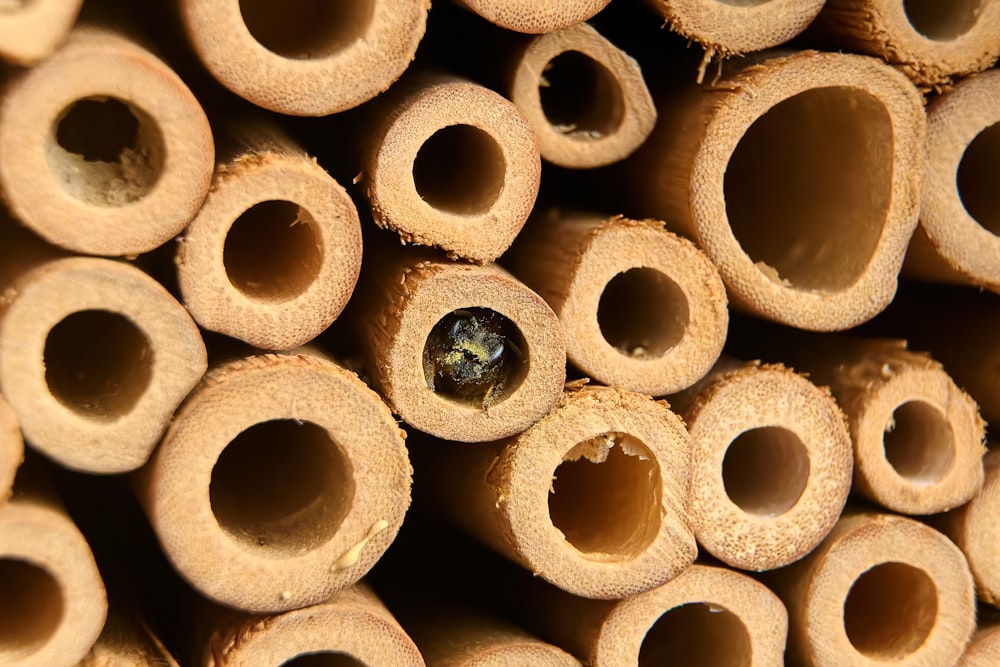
pixel 106 152
pixel 475 356
pixel 765 470
pixel 642 313
pixel 31 611
pixel 460 169
pixel 977 178
pixel 890 610
pixel 697 634
pixel 273 251
pixel 97 363
pixel 605 497
pixel 303 29
pixel 919 443
pixel 580 96
pixel 324 659
pixel 942 21
pixel 282 486
pixel 809 185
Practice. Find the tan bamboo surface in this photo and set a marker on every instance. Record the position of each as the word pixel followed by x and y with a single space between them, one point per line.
pixel 799 176
pixel 984 649
pixel 126 641
pixel 30 31
pixel 452 164
pixel 641 308
pixel 274 253
pixel 959 215
pixel 280 481
pixel 11 449
pixel 880 588
pixel 310 58
pixel 103 149
pixel 534 17
pixel 615 119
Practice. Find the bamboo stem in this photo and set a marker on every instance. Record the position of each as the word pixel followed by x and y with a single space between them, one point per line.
pixel 11 449
pixel 31 31
pixel 127 641
pixel 984 649
pixel 533 17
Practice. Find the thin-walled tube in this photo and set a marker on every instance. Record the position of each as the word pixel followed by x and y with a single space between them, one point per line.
pixel 30 31
pixel 534 16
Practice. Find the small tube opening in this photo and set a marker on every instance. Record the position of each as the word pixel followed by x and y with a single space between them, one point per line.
pixel 642 313
pixel 273 251
pixel 282 487
pixel 697 634
pixel 324 659
pixel 919 443
pixel 890 610
pixel 605 497
pixel 581 97
pixel 97 363
pixel 460 169
pixel 307 29
pixel 32 609
pixel 765 470
pixel 106 152
pixel 977 178
pixel 809 185
pixel 942 21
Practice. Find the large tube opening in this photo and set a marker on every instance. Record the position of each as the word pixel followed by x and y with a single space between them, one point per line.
pixel 940 20
pixel 31 609
pixel 765 470
pixel 890 610
pixel 697 634
pixel 977 178
pixel 324 659
pixel 304 29
pixel 460 169
pixel 919 443
pixel 581 97
pixel 642 313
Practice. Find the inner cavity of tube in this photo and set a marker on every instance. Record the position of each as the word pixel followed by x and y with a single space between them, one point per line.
pixel 475 356
pixel 890 610
pixel 282 487
pixel 809 185
pixel 106 152
pixel 305 29
pixel 605 497
pixel 642 313
pixel 273 251
pixel 97 363
pixel 942 21
pixel 697 634
pixel 765 470
pixel 324 659
pixel 977 178
pixel 581 97
pixel 32 609
pixel 460 169
pixel 919 443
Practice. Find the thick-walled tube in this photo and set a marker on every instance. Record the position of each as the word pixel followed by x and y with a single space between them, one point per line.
pixel 30 31
pixel 11 448
pixel 534 17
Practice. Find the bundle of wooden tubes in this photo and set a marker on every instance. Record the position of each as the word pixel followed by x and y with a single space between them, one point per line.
pixel 499 332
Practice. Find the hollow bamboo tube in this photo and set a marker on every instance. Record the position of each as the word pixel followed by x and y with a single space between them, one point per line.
pixel 103 149
pixel 799 176
pixel 127 641
pixel 984 649
pixel 880 588
pixel 960 211
pixel 11 449
pixel 770 465
pixel 591 498
pixel 274 253
pixel 281 480
pixel 641 308
pixel 454 165
pixel 31 30
pixel 585 99
pixel 532 17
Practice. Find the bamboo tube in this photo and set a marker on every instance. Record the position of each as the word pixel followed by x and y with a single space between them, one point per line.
pixel 770 466
pixel 532 17
pixel 11 449
pixel 126 641
pixel 31 31
pixel 641 308
pixel 585 99
pixel 280 481
pixel 287 59
pixel 103 149
pixel 984 649
pixel 454 165
pixel 799 177
pixel 273 256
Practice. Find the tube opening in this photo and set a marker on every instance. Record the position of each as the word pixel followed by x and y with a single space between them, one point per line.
pixel 32 609
pixel 642 313
pixel 324 659
pixel 697 633
pixel 809 185
pixel 97 363
pixel 765 470
pixel 460 169
pixel 273 251
pixel 919 442
pixel 605 497
pixel 581 97
pixel 282 487
pixel 475 356
pixel 942 21
pixel 890 610
pixel 977 178
pixel 307 29
pixel 106 152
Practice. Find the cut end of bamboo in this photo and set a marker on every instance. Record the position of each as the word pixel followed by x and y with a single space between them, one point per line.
pixel 984 649
pixel 529 16
pixel 30 31
pixel 11 449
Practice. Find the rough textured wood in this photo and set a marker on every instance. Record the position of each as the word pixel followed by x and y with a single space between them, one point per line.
pixel 30 31
pixel 11 449
pixel 984 649
pixel 533 17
